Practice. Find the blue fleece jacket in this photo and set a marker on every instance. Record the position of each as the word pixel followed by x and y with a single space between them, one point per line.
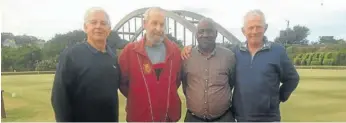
pixel 257 90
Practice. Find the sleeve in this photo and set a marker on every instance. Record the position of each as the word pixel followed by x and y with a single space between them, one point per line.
pixel 180 61
pixel 231 76
pixel 234 47
pixel 183 78
pixel 60 97
pixel 124 70
pixel 178 82
pixel 119 71
pixel 288 76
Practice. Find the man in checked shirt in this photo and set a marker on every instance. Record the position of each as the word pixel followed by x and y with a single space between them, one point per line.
pixel 207 78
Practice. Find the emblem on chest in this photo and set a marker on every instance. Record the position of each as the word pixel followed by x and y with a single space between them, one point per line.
pixel 146 68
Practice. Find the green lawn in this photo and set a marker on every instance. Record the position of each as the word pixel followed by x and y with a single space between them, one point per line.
pixel 320 96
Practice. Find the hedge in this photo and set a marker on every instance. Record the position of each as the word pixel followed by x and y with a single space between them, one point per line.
pixel 306 59
pixel 321 58
pixel 317 59
pixel 330 58
pixel 298 59
pixel 342 60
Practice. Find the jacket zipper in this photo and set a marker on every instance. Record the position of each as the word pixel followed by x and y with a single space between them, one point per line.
pixel 253 57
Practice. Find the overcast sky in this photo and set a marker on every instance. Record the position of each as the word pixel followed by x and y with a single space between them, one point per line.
pixel 45 18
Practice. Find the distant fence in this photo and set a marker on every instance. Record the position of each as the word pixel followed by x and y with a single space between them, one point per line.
pixel 27 73
pixel 53 72
pixel 322 67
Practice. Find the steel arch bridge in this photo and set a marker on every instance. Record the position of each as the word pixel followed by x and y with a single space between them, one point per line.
pixel 188 20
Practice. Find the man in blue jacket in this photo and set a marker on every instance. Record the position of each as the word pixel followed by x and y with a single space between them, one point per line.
pixel 261 66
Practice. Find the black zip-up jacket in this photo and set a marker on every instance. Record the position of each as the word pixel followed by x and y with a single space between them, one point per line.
pixel 86 85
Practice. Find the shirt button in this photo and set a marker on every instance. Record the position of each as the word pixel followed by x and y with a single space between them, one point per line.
pixel 206 69
pixel 205 102
pixel 206 80
pixel 205 91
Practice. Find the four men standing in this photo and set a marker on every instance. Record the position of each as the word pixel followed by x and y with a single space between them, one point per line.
pixel 149 71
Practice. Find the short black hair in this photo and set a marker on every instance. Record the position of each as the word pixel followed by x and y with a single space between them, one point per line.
pixel 209 21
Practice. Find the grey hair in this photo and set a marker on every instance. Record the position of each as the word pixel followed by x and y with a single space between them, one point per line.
pixel 96 9
pixel 255 12
pixel 149 10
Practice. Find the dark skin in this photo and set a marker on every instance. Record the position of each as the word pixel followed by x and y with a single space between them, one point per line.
pixel 206 36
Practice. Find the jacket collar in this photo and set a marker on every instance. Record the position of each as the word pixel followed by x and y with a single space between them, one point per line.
pixel 266 45
pixel 140 47
pixel 95 51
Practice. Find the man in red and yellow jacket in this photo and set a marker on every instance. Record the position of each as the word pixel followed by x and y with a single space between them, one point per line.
pixel 150 71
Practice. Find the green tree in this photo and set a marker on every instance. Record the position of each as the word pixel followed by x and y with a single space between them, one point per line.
pixel 22 58
pixel 330 40
pixel 59 42
pixel 297 35
pixel 327 40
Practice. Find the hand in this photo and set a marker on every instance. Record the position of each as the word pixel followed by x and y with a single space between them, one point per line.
pixel 185 53
pixel 284 96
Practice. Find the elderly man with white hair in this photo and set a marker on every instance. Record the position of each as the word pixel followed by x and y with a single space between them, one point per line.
pixel 150 73
pixel 261 66
pixel 86 82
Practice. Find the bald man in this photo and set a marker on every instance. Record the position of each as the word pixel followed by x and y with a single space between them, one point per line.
pixel 150 71
pixel 207 78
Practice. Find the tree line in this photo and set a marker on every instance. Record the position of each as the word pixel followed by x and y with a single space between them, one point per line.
pixel 326 51
pixel 29 53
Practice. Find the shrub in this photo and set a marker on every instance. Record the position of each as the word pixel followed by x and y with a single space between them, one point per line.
pixel 328 62
pixel 330 58
pixel 46 65
pixel 306 59
pixel 298 59
pixel 342 58
pixel 317 59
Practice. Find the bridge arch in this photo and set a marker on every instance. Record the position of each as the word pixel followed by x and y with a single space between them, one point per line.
pixel 178 16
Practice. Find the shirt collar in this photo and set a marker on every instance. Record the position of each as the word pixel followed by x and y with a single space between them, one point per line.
pixel 266 45
pixel 95 51
pixel 210 55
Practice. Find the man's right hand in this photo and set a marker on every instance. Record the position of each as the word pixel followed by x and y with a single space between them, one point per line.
pixel 185 53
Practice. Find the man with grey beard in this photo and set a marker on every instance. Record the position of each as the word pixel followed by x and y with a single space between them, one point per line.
pixel 150 74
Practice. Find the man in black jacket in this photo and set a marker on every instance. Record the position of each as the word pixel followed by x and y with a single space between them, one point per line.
pixel 87 78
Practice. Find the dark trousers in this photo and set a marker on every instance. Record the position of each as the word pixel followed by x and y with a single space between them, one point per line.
pixel 226 117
